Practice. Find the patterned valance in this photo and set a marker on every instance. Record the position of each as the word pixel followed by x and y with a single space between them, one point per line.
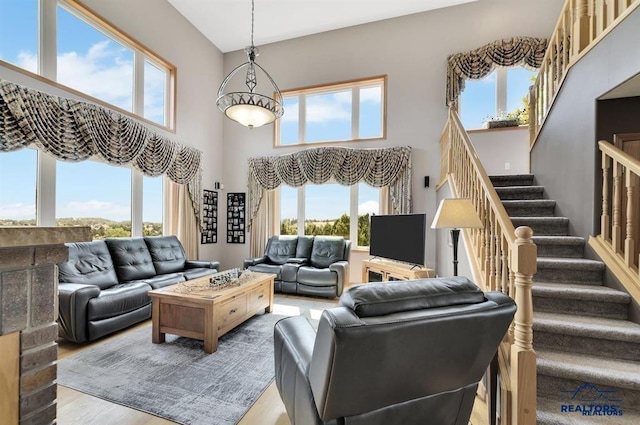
pixel 73 130
pixel 347 166
pixel 527 52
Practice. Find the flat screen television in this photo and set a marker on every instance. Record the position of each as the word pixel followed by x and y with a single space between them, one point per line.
pixel 398 237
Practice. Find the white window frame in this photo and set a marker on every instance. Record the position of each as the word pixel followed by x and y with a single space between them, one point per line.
pixel 355 86
pixel 353 212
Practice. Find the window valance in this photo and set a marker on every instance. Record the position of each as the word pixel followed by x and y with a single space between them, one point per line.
pixel 73 130
pixel 347 166
pixel 527 52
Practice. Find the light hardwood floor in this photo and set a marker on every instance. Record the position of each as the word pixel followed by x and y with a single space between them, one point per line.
pixel 76 408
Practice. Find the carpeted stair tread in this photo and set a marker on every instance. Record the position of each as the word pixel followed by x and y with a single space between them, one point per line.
pixel 549 413
pixel 591 327
pixel 529 207
pixel 512 179
pixel 560 246
pixel 580 292
pixel 520 192
pixel 588 368
pixel 549 226
pixel 570 263
pixel 558 240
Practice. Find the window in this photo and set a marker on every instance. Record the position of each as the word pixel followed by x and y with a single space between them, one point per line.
pixel 329 209
pixel 18 187
pixel 152 207
pixel 19 33
pixel 91 193
pixel 92 58
pixel 339 112
pixel 504 91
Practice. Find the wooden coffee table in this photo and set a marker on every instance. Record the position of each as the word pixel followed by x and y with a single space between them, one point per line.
pixel 207 314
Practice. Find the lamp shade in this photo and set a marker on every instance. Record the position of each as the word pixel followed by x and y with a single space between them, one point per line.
pixel 456 213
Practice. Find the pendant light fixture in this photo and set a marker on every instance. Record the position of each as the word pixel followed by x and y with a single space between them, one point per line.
pixel 249 108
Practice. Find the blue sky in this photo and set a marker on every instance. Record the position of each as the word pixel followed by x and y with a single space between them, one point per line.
pixel 95 64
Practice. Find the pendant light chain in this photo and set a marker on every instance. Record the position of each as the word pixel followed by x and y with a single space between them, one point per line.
pixel 253 5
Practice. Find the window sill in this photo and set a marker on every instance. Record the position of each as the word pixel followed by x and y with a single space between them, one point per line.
pixel 360 249
pixel 487 130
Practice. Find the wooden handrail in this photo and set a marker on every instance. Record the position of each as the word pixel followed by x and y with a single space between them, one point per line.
pixel 503 259
pixel 582 25
pixel 620 156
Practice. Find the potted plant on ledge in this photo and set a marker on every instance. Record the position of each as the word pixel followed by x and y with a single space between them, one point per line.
pixel 505 119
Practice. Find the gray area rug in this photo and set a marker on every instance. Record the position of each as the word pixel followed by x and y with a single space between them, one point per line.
pixel 177 380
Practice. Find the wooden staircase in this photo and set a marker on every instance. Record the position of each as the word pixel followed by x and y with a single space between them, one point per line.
pixel 588 352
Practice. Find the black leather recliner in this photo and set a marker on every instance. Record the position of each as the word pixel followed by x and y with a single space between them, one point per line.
pixel 409 353
pixel 103 286
pixel 308 265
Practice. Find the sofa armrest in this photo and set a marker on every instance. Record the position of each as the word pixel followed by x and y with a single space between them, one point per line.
pixel 342 268
pixel 293 341
pixel 253 261
pixel 300 261
pixel 73 301
pixel 193 264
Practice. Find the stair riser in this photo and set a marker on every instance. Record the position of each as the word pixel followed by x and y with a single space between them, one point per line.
pixel 552 387
pixel 579 344
pixel 520 194
pixel 548 228
pixel 522 211
pixel 582 307
pixel 558 250
pixel 566 275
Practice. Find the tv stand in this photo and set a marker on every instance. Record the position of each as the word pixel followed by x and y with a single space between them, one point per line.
pixel 378 269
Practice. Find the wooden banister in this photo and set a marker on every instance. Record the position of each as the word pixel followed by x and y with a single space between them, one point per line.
pixel 503 259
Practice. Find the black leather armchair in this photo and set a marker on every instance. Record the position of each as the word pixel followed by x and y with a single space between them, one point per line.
pixel 407 353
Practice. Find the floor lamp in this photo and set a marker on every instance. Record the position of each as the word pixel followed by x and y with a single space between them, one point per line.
pixel 456 214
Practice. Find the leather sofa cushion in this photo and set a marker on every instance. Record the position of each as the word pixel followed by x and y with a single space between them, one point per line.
pixel 198 272
pixel 317 277
pixel 327 250
pixel 167 254
pixel 281 248
pixel 380 298
pixel 89 263
pixel 117 300
pixel 268 268
pixel 303 250
pixel 162 280
pixel 131 259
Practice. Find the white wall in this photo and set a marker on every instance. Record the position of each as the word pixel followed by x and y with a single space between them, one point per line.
pixel 502 148
pixel 159 27
pixel 412 51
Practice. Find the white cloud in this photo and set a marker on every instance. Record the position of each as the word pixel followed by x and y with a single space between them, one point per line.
pixel 18 211
pixel 323 108
pixel 93 208
pixel 369 207
pixel 371 94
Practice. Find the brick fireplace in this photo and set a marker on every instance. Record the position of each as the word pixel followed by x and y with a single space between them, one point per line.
pixel 28 313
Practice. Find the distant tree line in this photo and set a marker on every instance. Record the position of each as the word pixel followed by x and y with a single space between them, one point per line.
pixel 338 227
pixel 101 228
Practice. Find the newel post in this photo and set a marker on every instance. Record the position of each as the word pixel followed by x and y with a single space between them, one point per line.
pixel 581 30
pixel 523 358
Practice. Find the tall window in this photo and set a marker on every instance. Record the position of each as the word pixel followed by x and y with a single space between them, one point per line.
pixel 95 194
pixel 18 187
pixel 92 58
pixel 152 208
pixel 329 209
pixel 19 33
pixel 339 112
pixel 501 93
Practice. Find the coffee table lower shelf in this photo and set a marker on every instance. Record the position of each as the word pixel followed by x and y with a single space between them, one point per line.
pixel 207 315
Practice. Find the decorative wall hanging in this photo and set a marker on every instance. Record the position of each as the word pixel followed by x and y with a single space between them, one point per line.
pixel 235 217
pixel 72 130
pixel 209 232
pixel 527 52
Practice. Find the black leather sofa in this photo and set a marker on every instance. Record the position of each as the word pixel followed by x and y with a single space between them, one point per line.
pixel 307 265
pixel 409 353
pixel 103 286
